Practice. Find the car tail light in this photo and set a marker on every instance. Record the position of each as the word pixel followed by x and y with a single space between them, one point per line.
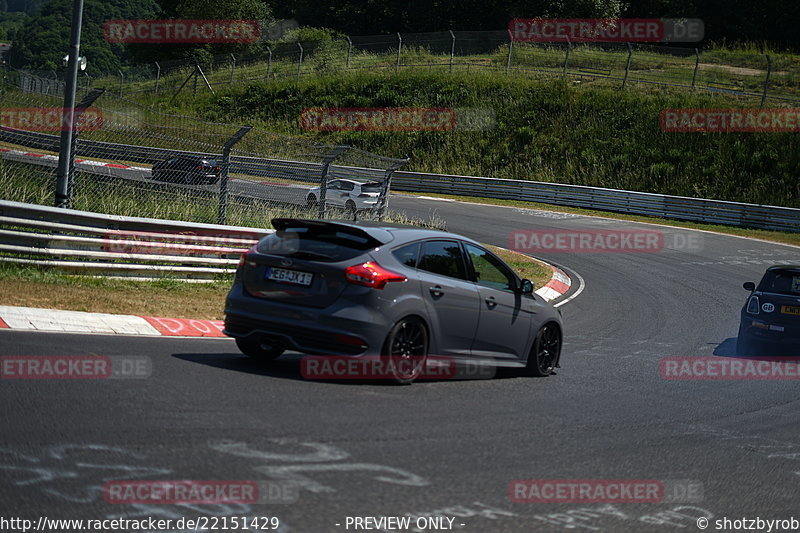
pixel 243 258
pixel 371 274
pixel 753 306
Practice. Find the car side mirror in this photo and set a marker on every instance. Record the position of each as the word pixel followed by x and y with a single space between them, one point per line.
pixel 526 286
pixel 749 285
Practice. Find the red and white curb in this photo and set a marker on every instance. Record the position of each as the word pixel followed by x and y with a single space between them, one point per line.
pixel 35 319
pixel 558 285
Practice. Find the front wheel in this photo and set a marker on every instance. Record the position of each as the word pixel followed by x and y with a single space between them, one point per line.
pixel 311 201
pixel 406 349
pixel 350 208
pixel 257 350
pixel 545 352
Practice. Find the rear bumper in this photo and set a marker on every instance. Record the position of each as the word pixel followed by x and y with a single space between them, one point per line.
pixel 341 329
pixel 772 334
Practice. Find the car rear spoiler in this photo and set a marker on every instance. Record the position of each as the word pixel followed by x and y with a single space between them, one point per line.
pixel 376 235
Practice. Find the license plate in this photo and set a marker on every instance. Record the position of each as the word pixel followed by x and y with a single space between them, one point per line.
pixel 290 276
pixel 790 310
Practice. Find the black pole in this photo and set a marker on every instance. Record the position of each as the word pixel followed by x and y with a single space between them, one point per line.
pixel 79 109
pixel 222 208
pixel 65 154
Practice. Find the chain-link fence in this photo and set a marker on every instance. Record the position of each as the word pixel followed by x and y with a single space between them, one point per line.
pixel 773 77
pixel 136 161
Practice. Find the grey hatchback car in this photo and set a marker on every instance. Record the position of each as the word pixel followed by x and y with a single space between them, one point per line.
pixel 363 289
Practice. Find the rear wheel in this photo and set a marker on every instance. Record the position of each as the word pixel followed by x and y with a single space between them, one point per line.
pixel 744 344
pixel 311 201
pixel 258 350
pixel 406 349
pixel 545 352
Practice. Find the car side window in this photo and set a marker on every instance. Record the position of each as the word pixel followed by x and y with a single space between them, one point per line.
pixel 444 258
pixel 407 254
pixel 489 271
pixel 334 185
pixel 346 186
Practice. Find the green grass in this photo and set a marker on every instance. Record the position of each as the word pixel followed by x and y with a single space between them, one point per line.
pixel 546 130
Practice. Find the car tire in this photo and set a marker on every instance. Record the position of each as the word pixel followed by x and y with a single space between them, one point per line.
pixel 406 348
pixel 311 201
pixel 259 351
pixel 545 351
pixel 744 344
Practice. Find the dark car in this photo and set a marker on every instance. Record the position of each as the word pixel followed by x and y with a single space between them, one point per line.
pixel 770 323
pixel 188 170
pixel 363 289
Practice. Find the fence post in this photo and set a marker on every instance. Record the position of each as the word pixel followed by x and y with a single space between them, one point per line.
pixel 121 81
pixel 233 68
pixel 88 81
pixel 323 178
pixel 399 48
pixel 510 49
pixel 627 65
pixel 566 58
pixel 158 75
pixel 269 62
pixel 70 177
pixel 696 67
pixel 766 80
pixel 380 209
pixel 300 59
pixel 349 49
pixel 452 49
pixel 222 210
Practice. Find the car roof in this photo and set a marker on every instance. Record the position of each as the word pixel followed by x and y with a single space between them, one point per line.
pixel 379 230
pixel 777 268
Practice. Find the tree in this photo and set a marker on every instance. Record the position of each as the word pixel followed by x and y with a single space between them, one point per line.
pixel 44 40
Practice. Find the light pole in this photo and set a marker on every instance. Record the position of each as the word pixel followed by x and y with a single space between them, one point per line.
pixel 65 154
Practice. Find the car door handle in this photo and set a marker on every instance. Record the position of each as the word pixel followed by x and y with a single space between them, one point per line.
pixel 490 302
pixel 436 291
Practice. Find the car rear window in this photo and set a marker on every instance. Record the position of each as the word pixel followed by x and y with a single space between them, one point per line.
pixel 781 282
pixel 371 187
pixel 407 254
pixel 326 245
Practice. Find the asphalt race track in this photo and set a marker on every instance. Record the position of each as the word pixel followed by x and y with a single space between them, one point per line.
pixel 447 448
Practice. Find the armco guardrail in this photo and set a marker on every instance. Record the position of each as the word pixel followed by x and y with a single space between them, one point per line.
pixel 631 202
pixel 116 246
pixel 615 200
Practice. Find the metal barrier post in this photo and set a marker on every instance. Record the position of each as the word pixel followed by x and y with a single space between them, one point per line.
pixel 766 80
pixel 158 76
pixel 349 49
pixel 222 211
pixel 79 109
pixel 233 68
pixel 510 49
pixel 121 81
pixel 696 67
pixel 452 49
pixel 399 48
pixel 299 59
pixel 627 65
pixel 269 62
pixel 383 199
pixel 566 58
pixel 323 182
